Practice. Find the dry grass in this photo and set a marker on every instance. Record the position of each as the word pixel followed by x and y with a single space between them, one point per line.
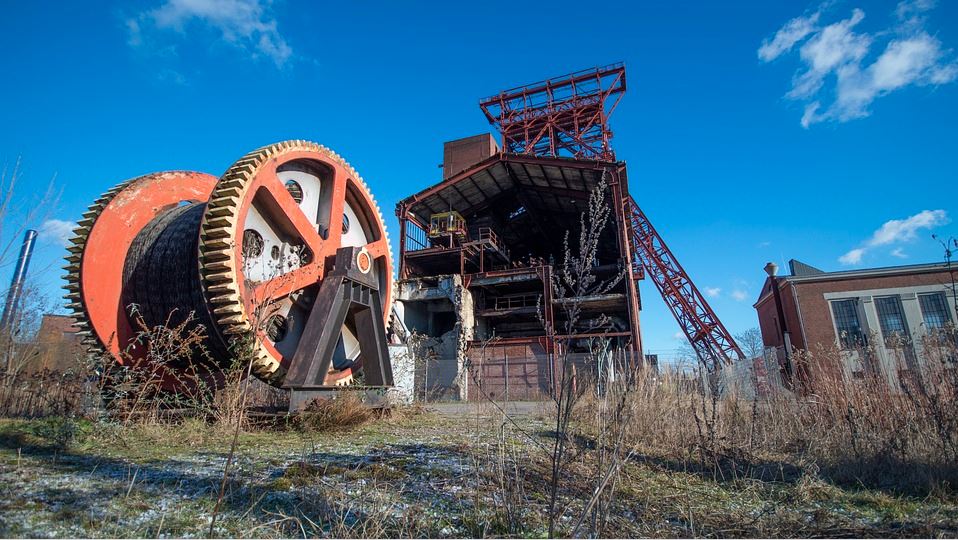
pixel 850 431
pixel 429 476
pixel 343 411
pixel 43 393
pixel 640 447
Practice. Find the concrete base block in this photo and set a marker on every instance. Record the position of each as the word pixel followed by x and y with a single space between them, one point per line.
pixel 372 396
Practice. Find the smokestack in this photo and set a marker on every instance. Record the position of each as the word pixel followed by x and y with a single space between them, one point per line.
pixel 16 283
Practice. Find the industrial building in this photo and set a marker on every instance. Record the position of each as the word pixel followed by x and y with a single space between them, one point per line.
pixel 59 344
pixel 877 317
pixel 483 291
pixel 479 250
pixel 477 256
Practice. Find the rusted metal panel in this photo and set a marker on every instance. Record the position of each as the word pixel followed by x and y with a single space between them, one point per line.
pixel 517 369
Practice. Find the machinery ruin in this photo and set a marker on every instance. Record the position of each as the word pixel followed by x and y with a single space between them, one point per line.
pixel 478 251
pixel 285 256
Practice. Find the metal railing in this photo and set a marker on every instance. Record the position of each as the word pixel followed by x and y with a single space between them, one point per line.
pixel 489 236
pixel 514 301
pixel 416 237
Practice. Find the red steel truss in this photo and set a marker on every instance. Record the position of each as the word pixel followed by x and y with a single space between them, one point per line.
pixel 565 116
pixel 712 342
pixel 568 116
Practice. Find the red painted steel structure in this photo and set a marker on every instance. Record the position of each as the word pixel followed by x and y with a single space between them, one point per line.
pixel 569 116
pixel 708 336
pixel 565 116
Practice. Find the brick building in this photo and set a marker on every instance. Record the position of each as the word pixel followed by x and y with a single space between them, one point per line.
pixel 885 310
pixel 59 344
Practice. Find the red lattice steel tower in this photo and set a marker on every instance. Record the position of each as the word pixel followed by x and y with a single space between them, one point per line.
pixel 565 116
pixel 713 344
pixel 569 116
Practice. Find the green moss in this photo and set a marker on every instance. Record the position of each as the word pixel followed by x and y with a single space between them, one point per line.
pixel 280 484
pixel 46 433
pixel 21 503
pixel 301 473
pixel 378 471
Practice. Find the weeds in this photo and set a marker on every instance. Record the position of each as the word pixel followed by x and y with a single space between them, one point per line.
pixel 342 412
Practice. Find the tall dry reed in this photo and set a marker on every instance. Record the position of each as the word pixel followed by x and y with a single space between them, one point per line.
pixel 855 430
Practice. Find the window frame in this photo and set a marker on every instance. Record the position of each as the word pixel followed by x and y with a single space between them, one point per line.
pixel 849 341
pixel 889 337
pixel 946 309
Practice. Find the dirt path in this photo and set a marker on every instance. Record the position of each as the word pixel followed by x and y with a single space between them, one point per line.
pixel 523 409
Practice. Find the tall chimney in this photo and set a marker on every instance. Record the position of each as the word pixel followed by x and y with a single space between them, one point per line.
pixel 16 283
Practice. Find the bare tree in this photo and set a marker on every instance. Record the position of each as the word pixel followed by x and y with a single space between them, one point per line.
pixel 573 280
pixel 950 245
pixel 18 212
pixel 751 342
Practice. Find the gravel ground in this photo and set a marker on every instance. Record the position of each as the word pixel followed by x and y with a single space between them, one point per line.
pixel 432 475
pixel 278 483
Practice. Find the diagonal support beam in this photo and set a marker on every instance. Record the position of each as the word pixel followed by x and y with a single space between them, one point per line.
pixel 348 294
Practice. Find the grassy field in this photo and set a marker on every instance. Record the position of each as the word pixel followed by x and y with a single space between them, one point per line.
pixel 422 474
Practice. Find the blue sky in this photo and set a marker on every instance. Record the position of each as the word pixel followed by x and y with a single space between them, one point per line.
pixel 753 131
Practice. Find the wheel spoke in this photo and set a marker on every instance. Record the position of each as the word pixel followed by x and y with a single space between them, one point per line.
pixel 377 248
pixel 241 276
pixel 336 209
pixel 286 284
pixel 289 211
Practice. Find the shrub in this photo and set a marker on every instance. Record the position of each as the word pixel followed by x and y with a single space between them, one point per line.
pixel 344 410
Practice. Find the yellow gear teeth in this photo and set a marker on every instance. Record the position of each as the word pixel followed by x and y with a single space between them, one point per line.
pixel 75 268
pixel 219 235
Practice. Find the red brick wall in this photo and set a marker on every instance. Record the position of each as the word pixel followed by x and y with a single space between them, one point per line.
pixel 767 317
pixel 460 154
pixel 816 312
pixel 58 344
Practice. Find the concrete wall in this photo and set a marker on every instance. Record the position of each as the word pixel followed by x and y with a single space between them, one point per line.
pixel 404 373
pixel 440 370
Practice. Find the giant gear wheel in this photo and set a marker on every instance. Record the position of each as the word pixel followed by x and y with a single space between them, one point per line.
pixel 244 255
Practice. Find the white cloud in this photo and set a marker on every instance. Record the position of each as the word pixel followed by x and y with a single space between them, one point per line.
pixel 837 53
pixel 895 231
pixel 244 24
pixel 712 292
pixel 912 13
pixel 56 231
pixel 809 116
pixel 739 295
pixel 172 76
pixel 833 47
pixel 905 230
pixel 852 257
pixel 787 36
pixel 899 252
pixel 135 35
pixel 678 336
